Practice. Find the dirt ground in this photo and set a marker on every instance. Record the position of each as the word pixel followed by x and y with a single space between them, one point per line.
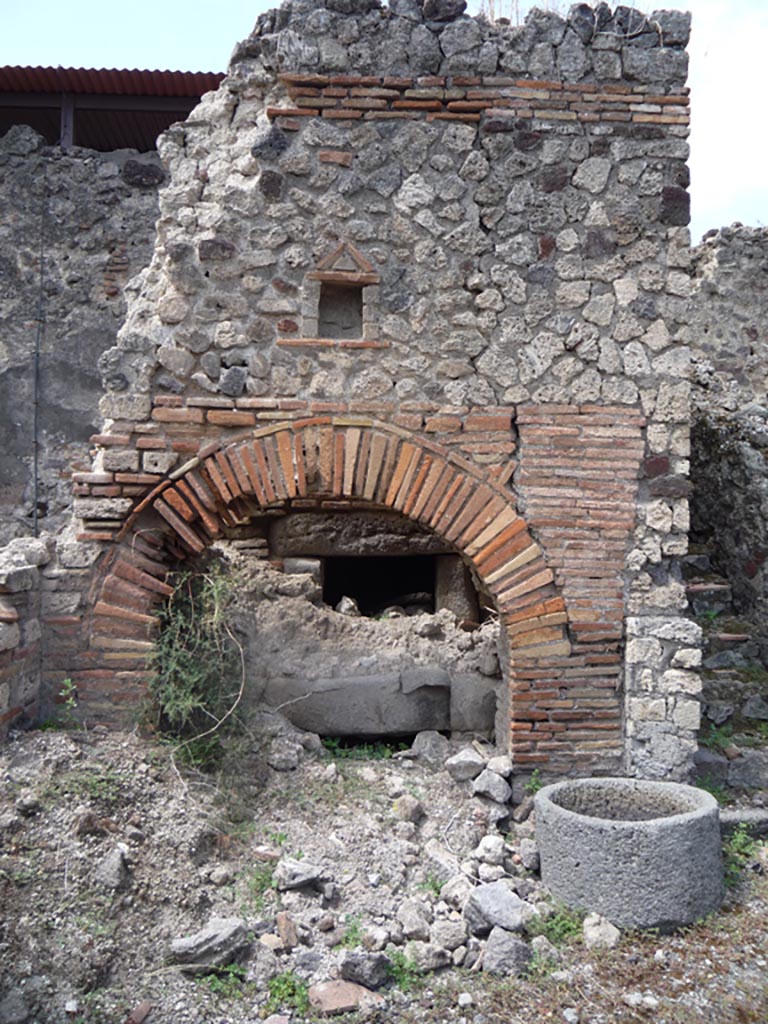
pixel 109 852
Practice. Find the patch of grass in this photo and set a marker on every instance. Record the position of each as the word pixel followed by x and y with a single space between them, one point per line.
pixel 96 924
pixel 287 992
pixel 22 872
pixel 432 884
pixel 540 966
pixel 403 971
pixel 756 736
pixel 716 789
pixel 345 751
pixel 534 783
pixel 753 673
pixel 65 717
pixel 708 617
pixel 561 928
pixel 738 850
pixel 353 931
pixel 259 881
pixel 717 737
pixel 201 753
pixel 278 838
pixel 227 982
pixel 102 786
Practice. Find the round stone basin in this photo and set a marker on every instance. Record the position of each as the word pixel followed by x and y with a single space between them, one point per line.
pixel 643 854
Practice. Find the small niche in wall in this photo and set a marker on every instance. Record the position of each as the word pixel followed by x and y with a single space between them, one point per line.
pixel 340 301
pixel 340 310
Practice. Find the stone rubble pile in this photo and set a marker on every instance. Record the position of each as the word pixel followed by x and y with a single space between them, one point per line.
pixel 479 908
pixel 358 884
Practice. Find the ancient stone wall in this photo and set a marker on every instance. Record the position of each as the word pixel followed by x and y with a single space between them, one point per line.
pixel 729 341
pixel 21 610
pixel 74 228
pixel 413 261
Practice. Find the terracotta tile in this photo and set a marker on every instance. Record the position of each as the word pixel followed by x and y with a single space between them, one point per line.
pixel 339 440
pixel 273 462
pixel 362 463
pixel 405 455
pixel 387 469
pixel 532 638
pixel 252 471
pixel 451 501
pixel 325 459
pixel 511 540
pixel 428 488
pixel 482 496
pixel 443 482
pixel 188 536
pixel 514 563
pixel 351 448
pixel 507 597
pixel 175 500
pixel 495 507
pixel 375 462
pixel 229 474
pixel 210 521
pixel 217 479
pixel 411 472
pixel 241 475
pixel 114 612
pixel 141 579
pixel 230 418
pixel 414 490
pixel 285 455
pixel 300 464
pixel 260 457
pixel 311 465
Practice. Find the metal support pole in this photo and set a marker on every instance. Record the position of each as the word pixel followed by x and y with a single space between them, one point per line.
pixel 67 129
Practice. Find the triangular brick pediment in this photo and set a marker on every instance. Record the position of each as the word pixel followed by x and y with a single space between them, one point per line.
pixel 346 258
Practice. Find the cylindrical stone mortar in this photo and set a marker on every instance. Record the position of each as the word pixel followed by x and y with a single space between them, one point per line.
pixel 643 854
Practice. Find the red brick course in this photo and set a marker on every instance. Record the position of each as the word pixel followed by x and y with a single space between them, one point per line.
pixel 470 98
pixel 555 574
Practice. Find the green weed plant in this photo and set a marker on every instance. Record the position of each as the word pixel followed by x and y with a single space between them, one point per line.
pixel 562 927
pixel 738 850
pixel 287 991
pixel 403 970
pixel 196 669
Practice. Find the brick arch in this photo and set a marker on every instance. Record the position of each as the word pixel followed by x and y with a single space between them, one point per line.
pixel 340 460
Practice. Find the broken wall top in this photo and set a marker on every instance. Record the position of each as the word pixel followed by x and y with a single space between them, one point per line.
pixel 436 38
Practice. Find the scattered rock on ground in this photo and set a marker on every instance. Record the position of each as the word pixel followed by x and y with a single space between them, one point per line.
pixel 496 905
pixel 215 945
pixel 490 784
pixel 332 997
pixel 430 747
pixel 322 876
pixel 295 874
pixel 506 954
pixel 372 970
pixel 465 765
pixel 112 872
pixel 599 933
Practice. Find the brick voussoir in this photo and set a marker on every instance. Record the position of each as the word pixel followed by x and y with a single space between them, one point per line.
pixel 141 579
pixel 186 533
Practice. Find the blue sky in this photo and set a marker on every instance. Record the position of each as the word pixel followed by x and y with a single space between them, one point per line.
pixel 729 143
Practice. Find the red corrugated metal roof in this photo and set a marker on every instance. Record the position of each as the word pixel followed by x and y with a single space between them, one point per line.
pixel 108 81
